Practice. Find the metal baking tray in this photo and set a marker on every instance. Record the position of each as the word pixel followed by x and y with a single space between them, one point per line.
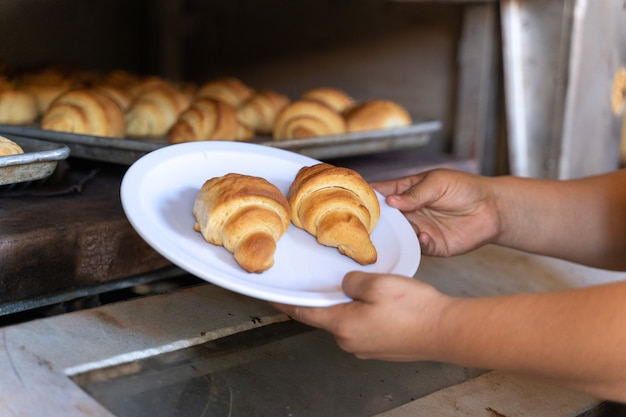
pixel 127 151
pixel 38 161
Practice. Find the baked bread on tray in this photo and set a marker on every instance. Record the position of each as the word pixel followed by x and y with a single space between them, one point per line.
pixel 208 119
pixel 86 111
pixel 8 147
pixel 305 118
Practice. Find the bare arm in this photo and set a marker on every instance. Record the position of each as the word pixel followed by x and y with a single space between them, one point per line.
pixel 579 220
pixel 573 338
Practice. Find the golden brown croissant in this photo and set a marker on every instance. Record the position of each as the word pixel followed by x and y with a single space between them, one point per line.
pixel 228 89
pixel 376 114
pixel 122 96
pixel 306 118
pixel 245 214
pixel 85 111
pixel 8 147
pixel 336 99
pixel 47 84
pixel 338 207
pixel 208 119
pixel 155 110
pixel 17 106
pixel 259 111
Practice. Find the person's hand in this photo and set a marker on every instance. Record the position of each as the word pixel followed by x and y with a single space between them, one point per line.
pixel 452 212
pixel 391 318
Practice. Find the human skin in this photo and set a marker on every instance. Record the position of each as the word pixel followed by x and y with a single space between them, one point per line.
pixel 574 338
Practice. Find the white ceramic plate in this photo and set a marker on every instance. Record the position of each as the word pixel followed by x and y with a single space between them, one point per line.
pixel 158 192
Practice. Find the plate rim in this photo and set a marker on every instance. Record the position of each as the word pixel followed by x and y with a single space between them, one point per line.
pixel 149 161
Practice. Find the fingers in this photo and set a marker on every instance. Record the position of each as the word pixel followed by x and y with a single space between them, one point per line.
pixel 396 186
pixel 408 194
pixel 427 244
pixel 356 285
pixel 320 317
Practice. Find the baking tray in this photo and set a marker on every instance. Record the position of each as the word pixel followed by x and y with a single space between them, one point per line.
pixel 127 151
pixel 39 160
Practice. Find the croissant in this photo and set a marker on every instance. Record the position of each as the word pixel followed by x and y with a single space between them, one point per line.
pixel 122 96
pixel 247 215
pixel 17 106
pixel 155 111
pixel 131 82
pixel 47 84
pixel 228 89
pixel 8 147
pixel 332 97
pixel 376 114
pixel 306 118
pixel 208 119
pixel 338 207
pixel 85 111
pixel 259 112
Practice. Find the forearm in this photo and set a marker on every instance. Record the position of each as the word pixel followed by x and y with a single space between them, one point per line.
pixel 579 220
pixel 576 338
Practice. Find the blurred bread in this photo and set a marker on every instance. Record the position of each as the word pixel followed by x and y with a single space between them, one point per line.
pixel 307 118
pixel 8 147
pixel 376 114
pixel 332 97
pixel 155 111
pixel 85 111
pixel 133 83
pixel 17 106
pixel 47 84
pixel 623 143
pixel 230 90
pixel 259 112
pixel 123 97
pixel 208 119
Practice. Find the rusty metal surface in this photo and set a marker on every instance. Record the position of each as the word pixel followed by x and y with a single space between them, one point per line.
pixel 62 237
pixel 127 151
pixel 38 161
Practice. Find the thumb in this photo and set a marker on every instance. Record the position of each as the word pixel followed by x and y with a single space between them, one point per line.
pixel 356 285
pixel 367 287
pixel 412 199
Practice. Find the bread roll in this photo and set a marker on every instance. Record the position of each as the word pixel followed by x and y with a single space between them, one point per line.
pixel 245 214
pixel 18 106
pixel 307 118
pixel 338 207
pixel 259 112
pixel 122 96
pixel 134 84
pixel 85 111
pixel 332 97
pixel 208 119
pixel 47 84
pixel 228 89
pixel 8 147
pixel 155 111
pixel 376 114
